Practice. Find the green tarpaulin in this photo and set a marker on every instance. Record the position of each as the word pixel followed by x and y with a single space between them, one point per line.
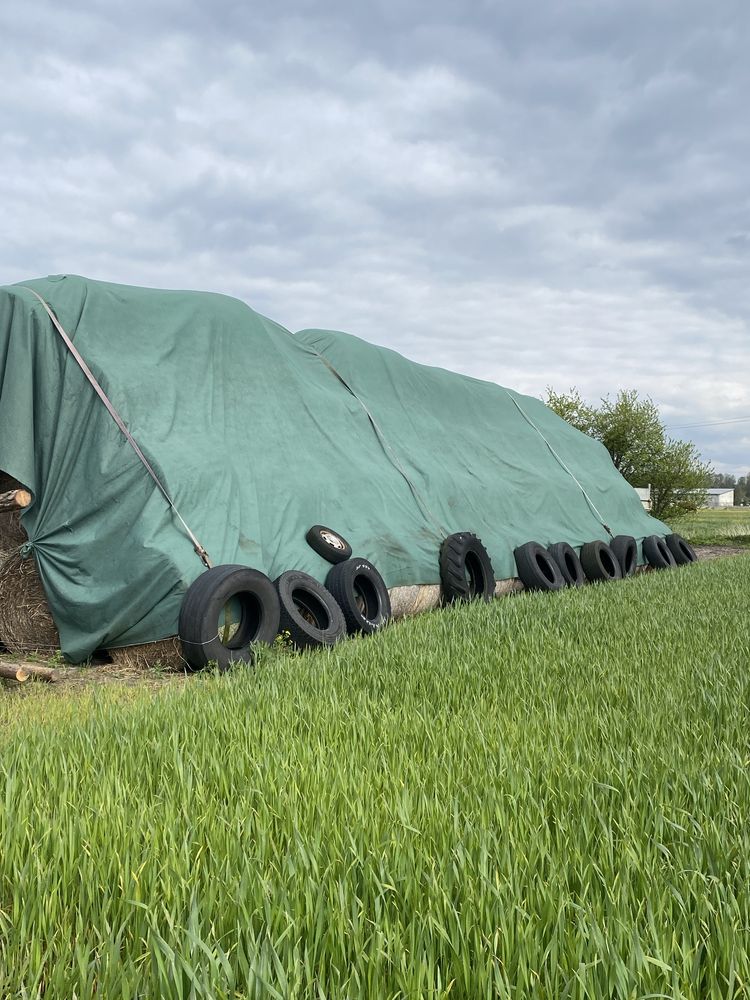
pixel 257 434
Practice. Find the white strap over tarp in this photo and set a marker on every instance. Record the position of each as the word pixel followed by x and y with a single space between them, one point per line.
pixel 205 559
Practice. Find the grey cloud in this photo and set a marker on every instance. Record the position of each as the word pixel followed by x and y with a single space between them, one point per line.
pixel 539 194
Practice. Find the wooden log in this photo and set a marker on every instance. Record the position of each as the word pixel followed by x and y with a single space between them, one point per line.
pixel 14 500
pixel 23 671
pixel 42 673
pixel 14 672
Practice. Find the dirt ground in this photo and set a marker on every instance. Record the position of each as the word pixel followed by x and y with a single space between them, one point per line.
pixel 717 551
pixel 98 672
pixel 68 677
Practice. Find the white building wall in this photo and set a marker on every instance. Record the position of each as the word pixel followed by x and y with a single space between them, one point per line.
pixel 720 498
pixel 644 495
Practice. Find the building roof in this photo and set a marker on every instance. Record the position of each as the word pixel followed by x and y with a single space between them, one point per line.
pixel 718 490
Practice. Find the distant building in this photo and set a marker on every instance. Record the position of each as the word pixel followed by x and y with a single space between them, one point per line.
pixel 719 497
pixel 644 495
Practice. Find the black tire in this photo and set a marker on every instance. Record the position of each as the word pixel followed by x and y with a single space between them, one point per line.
pixel 361 593
pixel 682 551
pixel 328 543
pixel 219 595
pixel 308 611
pixel 657 553
pixel 466 572
pixel 599 562
pixel 568 563
pixel 625 548
pixel 537 570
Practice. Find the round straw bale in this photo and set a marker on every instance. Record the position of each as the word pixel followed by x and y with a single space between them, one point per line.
pixel 3 556
pixel 166 653
pixel 26 625
pixel 412 600
pixel 12 535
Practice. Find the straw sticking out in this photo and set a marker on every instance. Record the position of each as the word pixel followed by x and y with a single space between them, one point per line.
pixel 166 653
pixel 12 535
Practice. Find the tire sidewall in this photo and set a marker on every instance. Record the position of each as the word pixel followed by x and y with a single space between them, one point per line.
pixel 453 556
pixel 625 549
pixel 658 557
pixel 527 558
pixel 202 606
pixel 303 633
pixel 682 551
pixel 558 553
pixel 342 583
pixel 317 541
pixel 593 556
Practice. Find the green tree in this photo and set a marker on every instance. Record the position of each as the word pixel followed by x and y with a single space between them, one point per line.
pixel 572 408
pixel 631 430
pixel 723 480
pixel 742 492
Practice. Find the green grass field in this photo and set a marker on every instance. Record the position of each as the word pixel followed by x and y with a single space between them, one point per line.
pixel 716 527
pixel 546 797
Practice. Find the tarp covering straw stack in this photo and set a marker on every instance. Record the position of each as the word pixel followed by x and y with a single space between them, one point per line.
pixel 26 623
pixel 144 474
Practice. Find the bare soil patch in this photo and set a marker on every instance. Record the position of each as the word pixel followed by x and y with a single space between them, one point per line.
pixel 718 551
pixel 68 677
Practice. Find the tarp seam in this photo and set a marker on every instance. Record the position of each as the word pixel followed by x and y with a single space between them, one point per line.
pixel 554 454
pixel 384 444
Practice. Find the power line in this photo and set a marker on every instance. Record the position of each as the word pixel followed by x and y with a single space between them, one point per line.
pixel 708 423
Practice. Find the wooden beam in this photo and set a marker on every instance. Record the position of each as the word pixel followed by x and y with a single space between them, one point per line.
pixel 41 673
pixel 14 500
pixel 23 671
pixel 14 672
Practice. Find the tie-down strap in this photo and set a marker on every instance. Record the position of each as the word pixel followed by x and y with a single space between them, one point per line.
pixel 121 424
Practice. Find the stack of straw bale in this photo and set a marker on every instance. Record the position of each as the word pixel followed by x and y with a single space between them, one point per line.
pixel 166 653
pixel 26 624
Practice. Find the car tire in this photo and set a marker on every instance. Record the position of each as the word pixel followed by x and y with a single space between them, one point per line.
pixel 308 611
pixel 657 553
pixel 682 551
pixel 537 569
pixel 361 593
pixel 568 563
pixel 625 548
pixel 466 572
pixel 328 543
pixel 218 596
pixel 599 562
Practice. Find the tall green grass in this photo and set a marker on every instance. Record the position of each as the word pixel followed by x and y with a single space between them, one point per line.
pixel 716 527
pixel 546 797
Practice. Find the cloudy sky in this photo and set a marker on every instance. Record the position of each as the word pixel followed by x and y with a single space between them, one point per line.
pixel 548 193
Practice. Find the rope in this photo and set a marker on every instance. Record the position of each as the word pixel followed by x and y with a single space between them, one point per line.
pixel 200 550
pixel 588 499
